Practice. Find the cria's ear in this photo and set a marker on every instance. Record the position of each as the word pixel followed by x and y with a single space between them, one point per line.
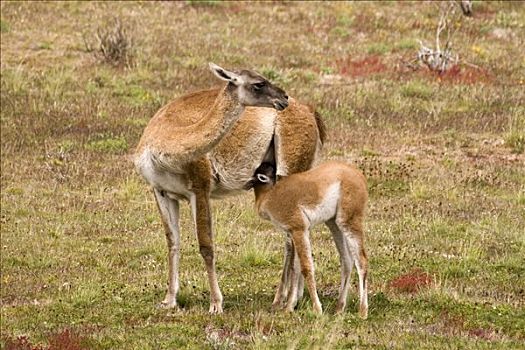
pixel 263 178
pixel 226 75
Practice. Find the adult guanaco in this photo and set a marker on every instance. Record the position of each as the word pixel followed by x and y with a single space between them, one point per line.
pixel 334 193
pixel 207 144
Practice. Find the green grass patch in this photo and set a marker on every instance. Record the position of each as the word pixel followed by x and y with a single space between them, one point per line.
pixel 516 142
pixel 45 45
pixel 378 49
pixel 4 26
pixel 254 256
pixel 204 3
pixel 109 144
pixel 417 89
pixel 407 44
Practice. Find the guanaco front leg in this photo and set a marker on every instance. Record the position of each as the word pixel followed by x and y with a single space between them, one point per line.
pixel 169 212
pixel 201 206
pixel 304 252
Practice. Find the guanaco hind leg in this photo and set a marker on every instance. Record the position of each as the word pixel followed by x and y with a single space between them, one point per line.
pixel 354 239
pixel 169 212
pixel 346 261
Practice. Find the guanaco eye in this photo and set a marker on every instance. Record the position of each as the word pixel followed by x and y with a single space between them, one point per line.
pixel 258 86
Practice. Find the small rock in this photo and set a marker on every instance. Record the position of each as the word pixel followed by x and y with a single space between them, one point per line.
pixel 502 33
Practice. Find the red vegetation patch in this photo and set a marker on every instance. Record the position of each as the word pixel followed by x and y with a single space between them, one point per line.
pixel 65 340
pixel 464 75
pixel 20 343
pixel 411 282
pixel 457 74
pixel 361 68
pixel 456 325
pixel 486 334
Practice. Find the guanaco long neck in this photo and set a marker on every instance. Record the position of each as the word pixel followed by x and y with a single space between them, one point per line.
pixel 188 143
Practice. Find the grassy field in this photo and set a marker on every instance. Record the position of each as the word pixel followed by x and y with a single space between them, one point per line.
pixel 83 256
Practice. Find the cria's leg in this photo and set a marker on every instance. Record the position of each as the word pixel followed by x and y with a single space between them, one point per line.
pixel 354 239
pixel 304 252
pixel 293 282
pixel 346 264
pixel 169 212
pixel 200 203
pixel 284 284
pixel 300 287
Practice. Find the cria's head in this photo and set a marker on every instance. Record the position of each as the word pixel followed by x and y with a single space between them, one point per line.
pixel 264 175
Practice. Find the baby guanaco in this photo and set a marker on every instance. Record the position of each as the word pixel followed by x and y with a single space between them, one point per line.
pixel 333 193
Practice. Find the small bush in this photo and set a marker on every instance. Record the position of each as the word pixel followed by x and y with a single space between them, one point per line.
pixel 114 45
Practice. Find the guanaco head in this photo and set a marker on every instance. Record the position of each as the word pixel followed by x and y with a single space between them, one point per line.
pixel 252 89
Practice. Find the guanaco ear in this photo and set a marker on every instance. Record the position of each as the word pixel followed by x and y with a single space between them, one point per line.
pixel 225 75
pixel 263 178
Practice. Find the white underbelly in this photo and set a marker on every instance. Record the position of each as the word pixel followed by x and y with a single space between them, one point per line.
pixel 162 179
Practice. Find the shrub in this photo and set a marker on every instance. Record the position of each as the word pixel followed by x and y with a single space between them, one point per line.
pixel 114 45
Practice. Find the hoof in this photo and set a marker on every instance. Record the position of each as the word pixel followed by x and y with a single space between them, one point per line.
pixel 339 309
pixel 215 308
pixel 167 304
pixel 277 307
